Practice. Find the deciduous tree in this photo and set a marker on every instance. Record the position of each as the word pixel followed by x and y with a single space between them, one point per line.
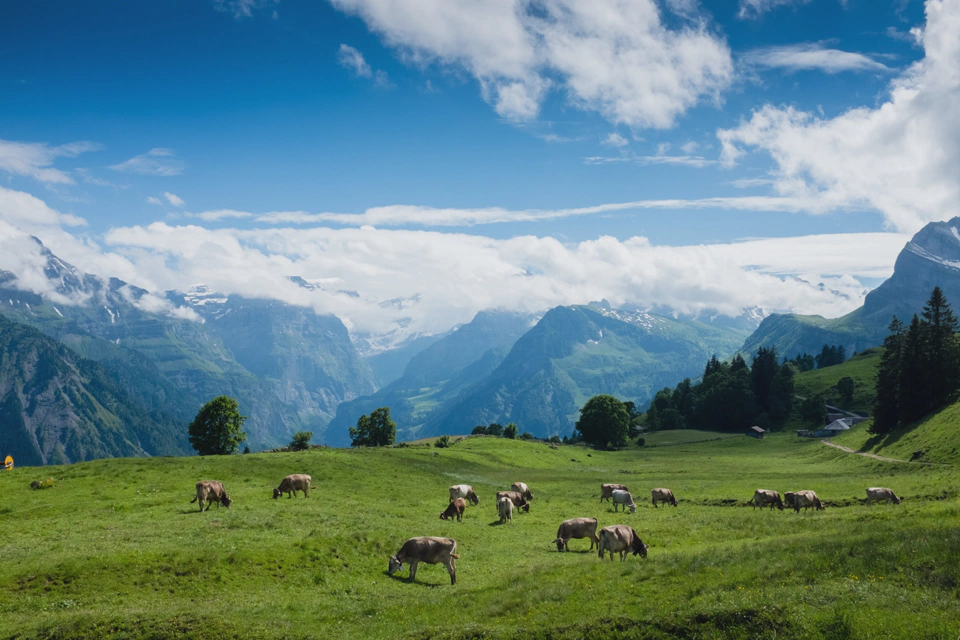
pixel 218 428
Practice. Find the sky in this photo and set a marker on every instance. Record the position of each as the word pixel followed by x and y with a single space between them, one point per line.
pixel 421 160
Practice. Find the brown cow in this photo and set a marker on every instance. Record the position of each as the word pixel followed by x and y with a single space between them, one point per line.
pixel 881 493
pixel 505 509
pixel 426 549
pixel 209 491
pixel 577 528
pixel 463 491
pixel 523 489
pixel 663 495
pixel 763 497
pixel 807 499
pixel 619 538
pixel 516 498
pixel 293 483
pixel 455 510
pixel 606 490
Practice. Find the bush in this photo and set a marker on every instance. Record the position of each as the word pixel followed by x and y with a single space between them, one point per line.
pixel 495 430
pixel 479 430
pixel 526 435
pixel 510 431
pixel 42 484
pixel 246 449
pixel 442 442
pixel 301 441
pixel 641 442
pixel 555 440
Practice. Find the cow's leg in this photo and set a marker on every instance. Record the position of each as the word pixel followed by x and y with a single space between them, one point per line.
pixel 452 570
pixel 413 569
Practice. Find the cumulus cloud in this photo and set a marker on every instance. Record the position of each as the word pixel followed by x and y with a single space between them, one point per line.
pixel 809 56
pixel 154 200
pixel 615 140
pixel 25 210
pixel 901 158
pixel 35 159
pixel 173 199
pixel 156 162
pixel 616 58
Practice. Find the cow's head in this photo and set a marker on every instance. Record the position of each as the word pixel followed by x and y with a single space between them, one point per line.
pixel 528 495
pixel 472 497
pixel 559 543
pixel 277 493
pixel 674 502
pixel 896 500
pixel 395 565
pixel 525 506
pixel 226 501
pixel 443 515
pixel 639 549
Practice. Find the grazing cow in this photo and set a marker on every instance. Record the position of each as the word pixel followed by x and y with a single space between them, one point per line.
pixel 577 528
pixel 426 549
pixel 523 489
pixel 619 538
pixel 663 495
pixel 763 497
pixel 455 510
pixel 505 509
pixel 606 490
pixel 293 483
pixel 463 491
pixel 807 499
pixel 621 497
pixel 209 491
pixel 789 498
pixel 516 498
pixel 880 493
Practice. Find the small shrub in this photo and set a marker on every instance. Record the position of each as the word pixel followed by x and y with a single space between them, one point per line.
pixel 479 430
pixel 510 431
pixel 246 449
pixel 641 442
pixel 301 441
pixel 42 484
pixel 442 442
pixel 526 435
pixel 554 440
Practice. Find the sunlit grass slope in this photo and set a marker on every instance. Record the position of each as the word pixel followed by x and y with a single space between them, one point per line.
pixel 862 368
pixel 116 550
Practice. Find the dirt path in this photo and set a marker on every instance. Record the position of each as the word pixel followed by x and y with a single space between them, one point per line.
pixel 861 453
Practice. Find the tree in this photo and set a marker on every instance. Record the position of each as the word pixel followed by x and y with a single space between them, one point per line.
pixel 495 429
pixel 442 442
pixel 479 430
pixel 510 431
pixel 943 369
pixel 886 408
pixel 604 422
pixel 375 430
pixel 762 373
pixel 301 441
pixel 831 355
pixel 813 410
pixel 526 435
pixel 218 428
pixel 915 395
pixel 845 387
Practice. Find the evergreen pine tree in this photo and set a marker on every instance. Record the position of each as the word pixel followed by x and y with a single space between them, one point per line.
pixel 915 395
pixel 886 408
pixel 943 369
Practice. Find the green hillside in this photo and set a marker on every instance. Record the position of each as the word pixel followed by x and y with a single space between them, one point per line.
pixel 862 368
pixel 115 549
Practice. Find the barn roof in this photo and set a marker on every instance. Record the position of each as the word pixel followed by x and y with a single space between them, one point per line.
pixel 837 425
pixel 757 430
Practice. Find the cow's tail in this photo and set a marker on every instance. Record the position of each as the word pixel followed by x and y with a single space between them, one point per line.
pixel 455 556
pixel 194 500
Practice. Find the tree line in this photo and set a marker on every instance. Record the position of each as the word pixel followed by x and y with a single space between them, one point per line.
pixel 919 370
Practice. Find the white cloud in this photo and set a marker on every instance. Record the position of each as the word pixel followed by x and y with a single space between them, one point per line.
pixel 807 56
pixel 154 200
pixel 244 8
pixel 901 158
pixel 687 161
pixel 350 58
pixel 756 8
pixel 35 160
pixel 615 140
pixel 173 199
pixel 219 214
pixel 616 58
pixel 25 210
pixel 156 162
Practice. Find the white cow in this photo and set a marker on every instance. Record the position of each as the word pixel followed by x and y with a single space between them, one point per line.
pixel 880 493
pixel 621 497
pixel 619 538
pixel 463 491
pixel 505 509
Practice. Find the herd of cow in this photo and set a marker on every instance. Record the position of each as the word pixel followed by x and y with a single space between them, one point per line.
pixel 615 539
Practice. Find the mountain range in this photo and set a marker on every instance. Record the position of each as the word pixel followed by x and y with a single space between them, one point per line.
pixel 931 258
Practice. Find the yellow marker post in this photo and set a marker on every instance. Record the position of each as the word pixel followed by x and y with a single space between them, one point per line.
pixel 8 463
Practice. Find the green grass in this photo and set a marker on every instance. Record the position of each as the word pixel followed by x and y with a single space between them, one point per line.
pixel 936 439
pixel 116 550
pixel 862 368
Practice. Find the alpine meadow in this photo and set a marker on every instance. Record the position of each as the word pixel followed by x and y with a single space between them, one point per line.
pixel 480 320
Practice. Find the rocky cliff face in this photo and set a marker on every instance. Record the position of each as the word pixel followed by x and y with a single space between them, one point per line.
pixel 930 259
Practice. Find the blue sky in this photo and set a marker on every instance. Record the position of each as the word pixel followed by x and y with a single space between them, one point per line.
pixel 260 106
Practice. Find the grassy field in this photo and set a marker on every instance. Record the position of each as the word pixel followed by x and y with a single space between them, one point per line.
pixel 114 549
pixel 862 368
